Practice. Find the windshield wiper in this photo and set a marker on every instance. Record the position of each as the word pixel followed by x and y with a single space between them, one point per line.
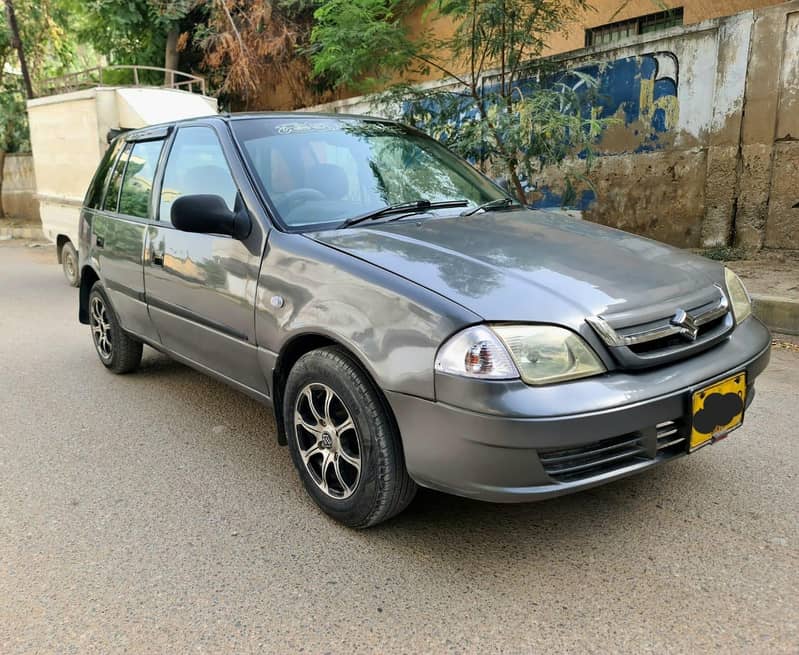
pixel 402 208
pixel 497 203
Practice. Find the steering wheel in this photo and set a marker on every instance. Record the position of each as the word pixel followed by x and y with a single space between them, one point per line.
pixel 296 197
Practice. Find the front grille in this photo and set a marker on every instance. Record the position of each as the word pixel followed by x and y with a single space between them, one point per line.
pixel 668 332
pixel 607 455
pixel 569 464
pixel 656 346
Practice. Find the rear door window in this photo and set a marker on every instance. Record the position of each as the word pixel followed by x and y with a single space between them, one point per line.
pixel 94 196
pixel 196 165
pixel 112 194
pixel 137 187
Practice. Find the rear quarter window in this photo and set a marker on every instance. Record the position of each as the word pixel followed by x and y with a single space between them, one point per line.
pixel 112 193
pixel 94 195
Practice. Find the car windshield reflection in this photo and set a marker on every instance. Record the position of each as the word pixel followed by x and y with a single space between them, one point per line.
pixel 319 172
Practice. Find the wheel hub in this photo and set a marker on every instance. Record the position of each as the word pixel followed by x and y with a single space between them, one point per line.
pixel 101 327
pixel 328 441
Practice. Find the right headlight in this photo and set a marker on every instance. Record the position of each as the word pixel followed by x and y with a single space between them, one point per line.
pixel 739 297
pixel 539 354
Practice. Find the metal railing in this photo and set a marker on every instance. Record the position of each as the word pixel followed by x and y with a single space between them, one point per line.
pixel 115 76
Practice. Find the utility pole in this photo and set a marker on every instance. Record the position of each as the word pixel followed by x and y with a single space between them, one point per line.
pixel 16 42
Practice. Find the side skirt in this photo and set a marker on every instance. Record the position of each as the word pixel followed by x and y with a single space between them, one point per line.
pixel 253 393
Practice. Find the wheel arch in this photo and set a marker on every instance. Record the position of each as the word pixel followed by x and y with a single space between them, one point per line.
pixel 291 352
pixel 60 241
pixel 88 276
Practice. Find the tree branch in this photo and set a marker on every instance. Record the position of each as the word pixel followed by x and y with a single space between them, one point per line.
pixel 446 72
pixel 223 4
pixel 520 57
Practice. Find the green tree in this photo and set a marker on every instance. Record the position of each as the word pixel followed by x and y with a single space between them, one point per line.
pixel 140 32
pixel 507 108
pixel 49 47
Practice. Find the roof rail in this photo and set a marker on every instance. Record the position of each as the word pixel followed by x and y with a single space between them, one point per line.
pixel 114 76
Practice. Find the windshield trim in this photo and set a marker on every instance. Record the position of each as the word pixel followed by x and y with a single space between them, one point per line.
pixel 275 216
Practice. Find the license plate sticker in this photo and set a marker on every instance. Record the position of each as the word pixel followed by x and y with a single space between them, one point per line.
pixel 717 410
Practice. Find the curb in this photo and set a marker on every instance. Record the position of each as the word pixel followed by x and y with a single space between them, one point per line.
pixel 32 233
pixel 780 314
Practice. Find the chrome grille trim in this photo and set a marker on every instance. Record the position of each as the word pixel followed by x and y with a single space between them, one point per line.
pixel 612 338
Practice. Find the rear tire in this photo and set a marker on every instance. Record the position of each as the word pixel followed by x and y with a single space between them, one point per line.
pixel 69 264
pixel 118 351
pixel 343 440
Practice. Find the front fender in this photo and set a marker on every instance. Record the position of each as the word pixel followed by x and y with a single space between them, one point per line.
pixel 392 325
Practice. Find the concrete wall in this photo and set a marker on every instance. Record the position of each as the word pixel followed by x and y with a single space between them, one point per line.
pixel 19 187
pixel 602 12
pixel 706 148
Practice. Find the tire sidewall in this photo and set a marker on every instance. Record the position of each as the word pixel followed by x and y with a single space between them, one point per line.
pixel 68 253
pixel 319 368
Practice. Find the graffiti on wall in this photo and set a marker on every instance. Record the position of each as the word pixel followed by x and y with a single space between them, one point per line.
pixel 639 91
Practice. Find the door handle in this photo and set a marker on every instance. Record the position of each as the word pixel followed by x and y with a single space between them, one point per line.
pixel 99 240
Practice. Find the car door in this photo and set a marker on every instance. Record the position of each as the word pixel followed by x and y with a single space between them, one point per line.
pixel 119 229
pixel 201 288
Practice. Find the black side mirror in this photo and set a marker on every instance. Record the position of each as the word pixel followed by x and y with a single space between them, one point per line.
pixel 209 214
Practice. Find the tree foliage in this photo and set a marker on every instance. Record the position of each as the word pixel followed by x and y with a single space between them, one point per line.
pixel 46 34
pixel 131 31
pixel 247 45
pixel 362 43
pixel 505 109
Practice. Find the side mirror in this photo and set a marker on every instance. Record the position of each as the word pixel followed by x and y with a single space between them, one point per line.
pixel 209 214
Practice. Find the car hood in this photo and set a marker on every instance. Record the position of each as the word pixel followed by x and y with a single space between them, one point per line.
pixel 529 265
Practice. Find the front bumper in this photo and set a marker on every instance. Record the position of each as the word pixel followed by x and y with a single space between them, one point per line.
pixel 507 442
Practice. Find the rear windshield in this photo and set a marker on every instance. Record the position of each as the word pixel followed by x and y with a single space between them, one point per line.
pixel 317 172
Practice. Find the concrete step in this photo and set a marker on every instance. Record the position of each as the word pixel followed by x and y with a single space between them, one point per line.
pixel 779 313
pixel 19 232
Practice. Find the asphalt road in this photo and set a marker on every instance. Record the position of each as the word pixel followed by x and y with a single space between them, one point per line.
pixel 155 513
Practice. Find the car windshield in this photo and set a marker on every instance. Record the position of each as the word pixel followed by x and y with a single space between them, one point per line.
pixel 319 172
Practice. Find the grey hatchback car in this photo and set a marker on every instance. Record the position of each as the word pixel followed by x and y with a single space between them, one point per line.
pixel 408 321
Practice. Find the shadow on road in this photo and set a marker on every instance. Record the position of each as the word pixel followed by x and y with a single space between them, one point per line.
pixel 434 518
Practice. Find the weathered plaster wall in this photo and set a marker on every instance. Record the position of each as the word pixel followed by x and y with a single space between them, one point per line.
pixel 721 183
pixel 19 187
pixel 782 222
pixel 706 148
pixel 601 12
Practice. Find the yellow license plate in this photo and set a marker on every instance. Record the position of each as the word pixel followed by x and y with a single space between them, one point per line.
pixel 717 410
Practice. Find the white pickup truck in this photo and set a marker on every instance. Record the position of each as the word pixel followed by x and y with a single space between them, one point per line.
pixel 70 132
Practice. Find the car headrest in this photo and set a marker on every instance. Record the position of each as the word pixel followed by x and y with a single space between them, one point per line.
pixel 329 179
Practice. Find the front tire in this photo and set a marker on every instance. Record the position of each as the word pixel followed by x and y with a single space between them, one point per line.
pixel 344 441
pixel 118 351
pixel 69 264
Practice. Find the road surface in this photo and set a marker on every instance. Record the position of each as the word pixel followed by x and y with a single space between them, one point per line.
pixel 155 513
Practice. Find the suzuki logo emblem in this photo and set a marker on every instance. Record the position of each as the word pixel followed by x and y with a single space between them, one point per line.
pixel 686 323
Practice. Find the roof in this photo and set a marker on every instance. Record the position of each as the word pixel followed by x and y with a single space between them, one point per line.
pixel 228 117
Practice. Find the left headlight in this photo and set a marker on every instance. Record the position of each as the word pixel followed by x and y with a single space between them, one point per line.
pixel 539 354
pixel 739 297
pixel 545 354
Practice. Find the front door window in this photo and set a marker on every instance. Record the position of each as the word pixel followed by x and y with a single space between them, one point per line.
pixel 196 165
